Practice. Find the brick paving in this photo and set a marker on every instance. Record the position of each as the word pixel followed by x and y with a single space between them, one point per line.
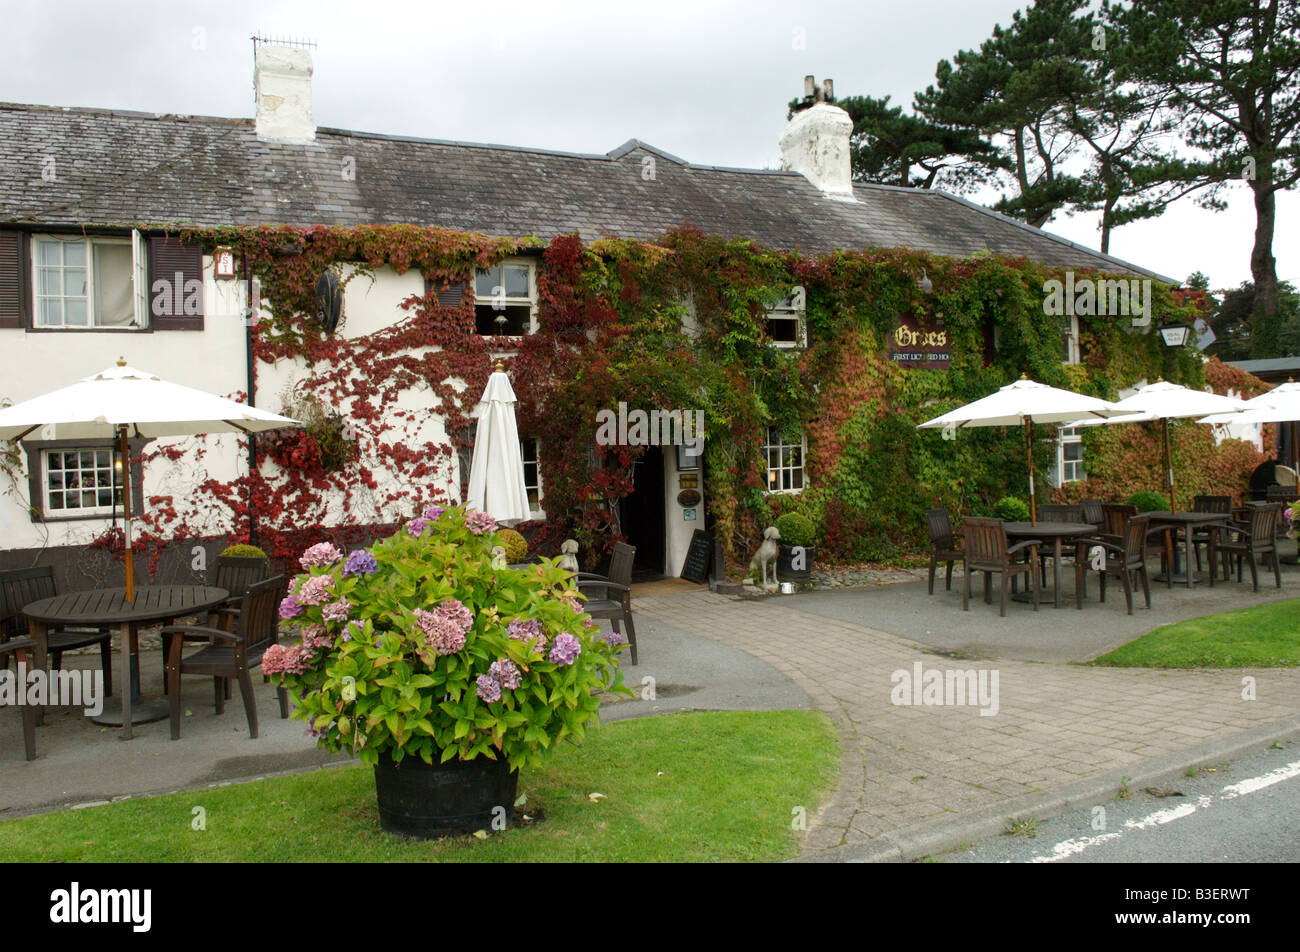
pixel 903 765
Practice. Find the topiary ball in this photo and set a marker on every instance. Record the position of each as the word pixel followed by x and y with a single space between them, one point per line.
pixel 796 529
pixel 244 551
pixel 515 545
pixel 1011 509
pixel 1147 501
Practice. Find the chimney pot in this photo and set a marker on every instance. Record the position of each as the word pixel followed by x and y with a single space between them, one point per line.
pixel 828 90
pixel 809 85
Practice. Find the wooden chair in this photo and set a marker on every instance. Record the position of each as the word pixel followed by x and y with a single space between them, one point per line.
pixel 19 587
pixel 1207 537
pixel 1091 511
pixel 617 609
pixel 985 550
pixel 1115 519
pixel 1064 513
pixel 236 574
pixel 22 649
pixel 1127 560
pixel 230 654
pixel 944 545
pixel 1257 541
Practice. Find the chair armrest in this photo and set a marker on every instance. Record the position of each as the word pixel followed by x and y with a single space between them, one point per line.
pixel 203 630
pixel 1024 544
pixel 602 583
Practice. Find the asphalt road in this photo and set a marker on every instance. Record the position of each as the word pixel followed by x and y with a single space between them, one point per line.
pixel 1244 812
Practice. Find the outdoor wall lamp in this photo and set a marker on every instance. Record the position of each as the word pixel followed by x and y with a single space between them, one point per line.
pixel 1175 335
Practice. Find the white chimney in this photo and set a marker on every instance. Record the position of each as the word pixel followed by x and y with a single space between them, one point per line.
pixel 816 143
pixel 282 81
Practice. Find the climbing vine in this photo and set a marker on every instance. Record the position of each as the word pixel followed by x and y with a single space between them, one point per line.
pixel 678 323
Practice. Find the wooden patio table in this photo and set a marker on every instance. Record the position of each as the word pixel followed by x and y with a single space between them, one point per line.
pixel 109 607
pixel 1055 532
pixel 1188 522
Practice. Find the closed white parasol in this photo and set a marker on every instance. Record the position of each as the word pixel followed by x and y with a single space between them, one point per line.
pixel 496 471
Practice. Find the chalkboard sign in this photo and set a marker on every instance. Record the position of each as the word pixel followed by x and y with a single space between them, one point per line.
pixel 696 566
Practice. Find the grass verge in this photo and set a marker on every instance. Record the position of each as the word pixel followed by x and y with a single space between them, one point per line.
pixel 708 786
pixel 1264 637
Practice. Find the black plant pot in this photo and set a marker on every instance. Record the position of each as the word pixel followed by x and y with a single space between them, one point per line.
pixel 433 800
pixel 785 571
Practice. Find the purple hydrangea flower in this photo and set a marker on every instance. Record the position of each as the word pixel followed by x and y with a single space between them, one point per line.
pixel 489 688
pixel 417 526
pixel 359 628
pixel 360 562
pixel 565 650
pixel 615 638
pixel 290 608
pixel 529 632
pixel 479 523
pixel 505 672
pixel 433 513
pixel 323 553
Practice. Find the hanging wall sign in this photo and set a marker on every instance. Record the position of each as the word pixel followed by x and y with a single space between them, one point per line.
pixel 919 344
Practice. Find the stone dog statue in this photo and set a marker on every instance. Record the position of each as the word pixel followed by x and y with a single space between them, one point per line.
pixel 765 556
pixel 569 555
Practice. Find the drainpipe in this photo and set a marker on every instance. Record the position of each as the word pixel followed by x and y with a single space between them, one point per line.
pixel 251 384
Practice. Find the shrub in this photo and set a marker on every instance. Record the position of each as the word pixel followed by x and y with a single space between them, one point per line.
pixel 1011 509
pixel 796 529
pixel 421 647
pixel 242 550
pixel 1147 501
pixel 515 545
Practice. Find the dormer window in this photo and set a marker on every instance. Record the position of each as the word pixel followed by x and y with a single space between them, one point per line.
pixel 785 326
pixel 505 300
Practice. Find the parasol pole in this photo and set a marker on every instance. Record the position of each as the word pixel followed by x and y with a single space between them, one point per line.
pixel 1169 466
pixel 124 449
pixel 1029 459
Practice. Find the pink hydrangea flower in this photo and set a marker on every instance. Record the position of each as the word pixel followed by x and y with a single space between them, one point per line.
pixel 479 523
pixel 281 659
pixel 337 611
pixel 529 632
pixel 440 634
pixel 315 590
pixel 323 553
pixel 506 672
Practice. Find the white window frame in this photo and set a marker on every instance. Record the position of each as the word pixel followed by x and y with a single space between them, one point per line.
pixel 530 301
pixel 785 310
pixel 139 281
pixel 1070 340
pixel 1069 436
pixel 775 441
pixel 539 511
pixel 80 512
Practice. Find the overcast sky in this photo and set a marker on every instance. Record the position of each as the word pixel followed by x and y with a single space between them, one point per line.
pixel 707 81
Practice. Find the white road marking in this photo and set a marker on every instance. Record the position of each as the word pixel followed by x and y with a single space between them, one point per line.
pixel 1077 845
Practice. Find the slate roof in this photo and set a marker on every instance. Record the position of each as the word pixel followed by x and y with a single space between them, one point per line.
pixel 112 167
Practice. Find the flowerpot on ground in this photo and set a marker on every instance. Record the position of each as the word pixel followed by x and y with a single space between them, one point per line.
pixel 786 559
pixel 444 799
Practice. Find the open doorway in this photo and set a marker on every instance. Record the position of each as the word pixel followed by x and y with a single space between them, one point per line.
pixel 641 514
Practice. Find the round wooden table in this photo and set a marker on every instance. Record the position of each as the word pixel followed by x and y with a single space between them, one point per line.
pixel 108 607
pixel 1188 522
pixel 1052 532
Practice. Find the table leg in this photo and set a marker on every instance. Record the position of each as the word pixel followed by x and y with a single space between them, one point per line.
pixel 40 656
pixel 1188 555
pixel 127 632
pixel 1056 571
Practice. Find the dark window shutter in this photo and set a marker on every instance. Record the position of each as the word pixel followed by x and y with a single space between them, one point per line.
pixel 177 266
pixel 13 279
pixel 450 296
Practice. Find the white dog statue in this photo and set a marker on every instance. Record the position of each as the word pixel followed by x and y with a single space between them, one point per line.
pixel 569 555
pixel 765 556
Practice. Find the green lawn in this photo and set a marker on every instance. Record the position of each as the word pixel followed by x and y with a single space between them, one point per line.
pixel 1263 637
pixel 694 787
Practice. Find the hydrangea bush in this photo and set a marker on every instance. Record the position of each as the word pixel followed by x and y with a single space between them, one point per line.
pixel 424 645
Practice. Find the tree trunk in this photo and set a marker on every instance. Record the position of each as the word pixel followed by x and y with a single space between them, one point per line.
pixel 1263 266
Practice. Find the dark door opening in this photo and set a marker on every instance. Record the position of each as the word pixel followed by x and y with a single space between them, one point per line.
pixel 641 513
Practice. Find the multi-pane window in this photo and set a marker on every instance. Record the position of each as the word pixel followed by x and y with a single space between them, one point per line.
pixel 1069 457
pixel 532 473
pixel 505 300
pixel 785 325
pixel 83 282
pixel 784 456
pixel 81 481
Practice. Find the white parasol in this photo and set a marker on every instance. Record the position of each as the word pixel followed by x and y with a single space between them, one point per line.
pixel 496 471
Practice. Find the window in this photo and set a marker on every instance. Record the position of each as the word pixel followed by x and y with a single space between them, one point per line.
pixel 87 282
pixel 1070 340
pixel 784 462
pixel 505 300
pixel 1068 466
pixel 81 481
pixel 785 325
pixel 532 473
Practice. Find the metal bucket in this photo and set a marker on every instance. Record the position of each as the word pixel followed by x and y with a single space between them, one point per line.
pixel 787 588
